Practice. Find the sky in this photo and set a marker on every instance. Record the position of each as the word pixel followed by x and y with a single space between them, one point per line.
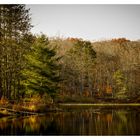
pixel 90 22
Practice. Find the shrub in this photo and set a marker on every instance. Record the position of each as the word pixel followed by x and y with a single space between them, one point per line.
pixel 4 101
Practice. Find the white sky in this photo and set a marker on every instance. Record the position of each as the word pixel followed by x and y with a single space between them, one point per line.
pixel 92 22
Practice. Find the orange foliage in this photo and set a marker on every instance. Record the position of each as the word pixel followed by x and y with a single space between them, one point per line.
pixel 86 94
pixel 3 101
pixel 104 89
pixel 108 89
pixel 120 40
pixel 98 94
pixel 73 39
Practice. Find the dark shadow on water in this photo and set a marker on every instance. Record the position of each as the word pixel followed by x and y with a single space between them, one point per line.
pixel 76 121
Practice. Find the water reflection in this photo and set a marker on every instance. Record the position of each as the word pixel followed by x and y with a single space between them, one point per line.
pixel 85 121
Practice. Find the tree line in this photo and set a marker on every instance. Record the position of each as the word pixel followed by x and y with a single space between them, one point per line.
pixel 38 65
pixel 103 69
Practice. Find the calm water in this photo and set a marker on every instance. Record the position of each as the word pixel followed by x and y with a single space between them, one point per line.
pixel 76 121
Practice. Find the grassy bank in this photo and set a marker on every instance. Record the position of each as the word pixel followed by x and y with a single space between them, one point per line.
pixel 33 106
pixel 66 99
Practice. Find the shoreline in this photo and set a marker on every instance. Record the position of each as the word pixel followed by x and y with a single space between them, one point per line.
pixel 99 104
pixel 11 112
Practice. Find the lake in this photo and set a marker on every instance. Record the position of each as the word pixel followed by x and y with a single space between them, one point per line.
pixel 76 120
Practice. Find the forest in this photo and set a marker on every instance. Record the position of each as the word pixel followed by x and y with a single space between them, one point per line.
pixel 37 71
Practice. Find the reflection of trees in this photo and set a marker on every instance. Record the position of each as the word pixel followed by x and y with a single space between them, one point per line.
pixel 25 125
pixel 3 123
pixel 35 123
pixel 31 124
pixel 101 122
pixel 97 121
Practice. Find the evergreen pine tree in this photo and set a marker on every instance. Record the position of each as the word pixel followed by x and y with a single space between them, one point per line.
pixel 41 74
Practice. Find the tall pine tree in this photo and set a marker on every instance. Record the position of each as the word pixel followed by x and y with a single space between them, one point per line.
pixel 42 72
